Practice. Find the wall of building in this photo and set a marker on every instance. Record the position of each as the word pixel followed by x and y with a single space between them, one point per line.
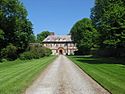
pixel 65 47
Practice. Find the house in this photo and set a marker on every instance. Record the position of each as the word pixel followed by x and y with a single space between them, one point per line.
pixel 60 44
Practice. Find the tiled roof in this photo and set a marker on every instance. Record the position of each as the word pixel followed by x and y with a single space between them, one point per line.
pixel 58 38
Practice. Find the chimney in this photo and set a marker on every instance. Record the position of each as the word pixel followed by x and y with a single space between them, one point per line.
pixel 52 33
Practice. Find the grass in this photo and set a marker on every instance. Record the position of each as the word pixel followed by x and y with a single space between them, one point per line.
pixel 16 76
pixel 108 72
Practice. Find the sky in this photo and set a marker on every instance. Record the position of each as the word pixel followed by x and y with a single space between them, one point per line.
pixel 56 15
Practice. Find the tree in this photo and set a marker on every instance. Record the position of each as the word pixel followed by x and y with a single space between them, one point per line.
pixel 108 17
pixel 16 28
pixel 42 36
pixel 84 34
pixel 1 38
pixel 32 38
pixel 1 34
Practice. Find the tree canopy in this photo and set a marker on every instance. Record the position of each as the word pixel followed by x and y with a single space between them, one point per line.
pixel 41 36
pixel 84 34
pixel 108 17
pixel 15 28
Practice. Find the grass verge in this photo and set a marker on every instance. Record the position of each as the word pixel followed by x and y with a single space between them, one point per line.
pixel 108 72
pixel 16 76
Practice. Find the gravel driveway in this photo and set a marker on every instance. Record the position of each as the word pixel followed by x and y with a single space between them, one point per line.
pixel 64 77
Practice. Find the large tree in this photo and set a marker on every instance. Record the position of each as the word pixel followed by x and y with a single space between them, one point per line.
pixel 84 34
pixel 15 28
pixel 108 17
pixel 41 36
pixel 32 38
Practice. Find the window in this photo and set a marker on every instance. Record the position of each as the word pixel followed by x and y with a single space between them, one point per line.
pixel 65 44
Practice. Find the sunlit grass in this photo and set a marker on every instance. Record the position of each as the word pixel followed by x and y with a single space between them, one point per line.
pixel 16 76
pixel 110 72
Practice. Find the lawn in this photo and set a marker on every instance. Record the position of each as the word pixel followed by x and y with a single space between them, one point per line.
pixel 108 72
pixel 16 76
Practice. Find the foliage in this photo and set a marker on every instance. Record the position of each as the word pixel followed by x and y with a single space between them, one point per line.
pixel 20 74
pixel 108 17
pixel 32 38
pixel 85 35
pixel 42 36
pixel 1 35
pixel 109 72
pixel 111 52
pixel 35 52
pixel 27 55
pixel 47 51
pixel 9 52
pixel 15 28
pixel 1 39
pixel 3 60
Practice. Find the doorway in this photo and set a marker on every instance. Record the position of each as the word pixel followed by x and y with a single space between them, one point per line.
pixel 61 51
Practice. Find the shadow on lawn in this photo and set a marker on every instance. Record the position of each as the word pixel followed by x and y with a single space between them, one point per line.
pixel 95 60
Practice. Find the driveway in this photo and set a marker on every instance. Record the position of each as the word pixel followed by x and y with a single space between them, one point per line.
pixel 64 77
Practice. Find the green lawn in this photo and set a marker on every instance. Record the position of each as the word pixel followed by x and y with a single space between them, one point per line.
pixel 16 76
pixel 110 73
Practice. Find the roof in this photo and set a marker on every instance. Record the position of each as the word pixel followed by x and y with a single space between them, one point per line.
pixel 58 38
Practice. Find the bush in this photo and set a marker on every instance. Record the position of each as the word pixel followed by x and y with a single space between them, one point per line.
pixel 26 55
pixel 82 52
pixel 114 52
pixel 47 51
pixel 29 55
pixel 10 52
pixel 36 52
pixel 4 60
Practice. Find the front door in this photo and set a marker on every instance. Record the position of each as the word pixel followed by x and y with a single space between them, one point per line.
pixel 60 51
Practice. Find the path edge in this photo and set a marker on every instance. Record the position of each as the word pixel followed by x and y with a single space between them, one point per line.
pixel 41 73
pixel 83 71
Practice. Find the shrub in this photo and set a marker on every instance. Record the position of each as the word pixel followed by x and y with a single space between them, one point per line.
pixel 114 52
pixel 36 52
pixel 26 55
pixel 4 60
pixel 10 52
pixel 47 51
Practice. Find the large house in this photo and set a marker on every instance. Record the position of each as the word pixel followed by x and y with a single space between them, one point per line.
pixel 60 44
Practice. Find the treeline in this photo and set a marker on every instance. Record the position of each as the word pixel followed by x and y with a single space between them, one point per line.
pixel 15 30
pixel 104 33
pixel 35 49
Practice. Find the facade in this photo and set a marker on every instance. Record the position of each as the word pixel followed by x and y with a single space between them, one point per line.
pixel 60 44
